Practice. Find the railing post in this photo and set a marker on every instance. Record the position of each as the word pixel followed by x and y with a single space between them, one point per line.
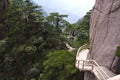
pixel 92 65
pixel 83 65
pixel 78 63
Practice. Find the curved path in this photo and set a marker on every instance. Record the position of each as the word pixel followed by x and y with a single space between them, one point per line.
pixel 84 64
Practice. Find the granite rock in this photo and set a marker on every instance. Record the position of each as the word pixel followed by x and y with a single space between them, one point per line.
pixel 105 33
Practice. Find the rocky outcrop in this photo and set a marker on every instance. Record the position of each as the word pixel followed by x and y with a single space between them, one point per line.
pixel 105 33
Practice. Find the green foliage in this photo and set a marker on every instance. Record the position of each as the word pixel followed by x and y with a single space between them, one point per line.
pixel 79 31
pixel 32 45
pixel 2 44
pixel 85 46
pixel 118 51
pixel 30 49
pixel 83 28
pixel 59 66
pixel 34 72
pixel 56 20
pixel 27 38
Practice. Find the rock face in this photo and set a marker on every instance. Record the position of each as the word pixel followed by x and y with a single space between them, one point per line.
pixel 105 33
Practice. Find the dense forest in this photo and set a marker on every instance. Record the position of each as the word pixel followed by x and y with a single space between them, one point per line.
pixel 33 45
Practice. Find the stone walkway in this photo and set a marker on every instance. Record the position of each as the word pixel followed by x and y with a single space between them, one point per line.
pixel 83 64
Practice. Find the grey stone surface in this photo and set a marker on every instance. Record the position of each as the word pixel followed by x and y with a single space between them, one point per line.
pixel 105 33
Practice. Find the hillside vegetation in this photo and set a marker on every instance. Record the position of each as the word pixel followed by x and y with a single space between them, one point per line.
pixel 32 45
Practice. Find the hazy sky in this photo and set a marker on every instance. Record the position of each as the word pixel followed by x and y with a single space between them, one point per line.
pixel 75 9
